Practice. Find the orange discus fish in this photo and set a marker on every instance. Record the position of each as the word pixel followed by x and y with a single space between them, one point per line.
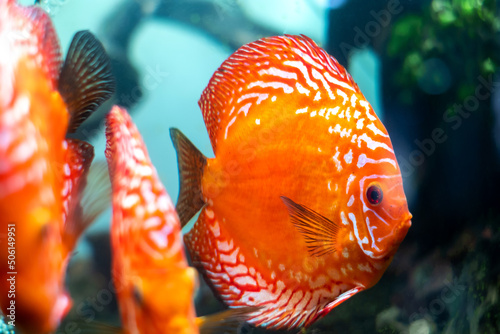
pixel 303 204
pixel 154 283
pixel 42 175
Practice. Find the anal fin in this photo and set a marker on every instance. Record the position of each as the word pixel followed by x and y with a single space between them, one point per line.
pixel 339 300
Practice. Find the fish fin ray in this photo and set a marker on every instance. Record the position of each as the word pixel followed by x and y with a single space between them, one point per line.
pixel 86 80
pixel 47 39
pixel 78 158
pixel 320 233
pixel 339 300
pixel 191 164
pixel 228 321
pixel 97 194
pixel 91 201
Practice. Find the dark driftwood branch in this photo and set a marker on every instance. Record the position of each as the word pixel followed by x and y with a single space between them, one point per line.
pixel 226 23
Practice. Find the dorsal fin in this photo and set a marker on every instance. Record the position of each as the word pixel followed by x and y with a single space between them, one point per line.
pixel 319 232
pixel 27 29
pixel 263 71
pixel 48 42
pixel 86 79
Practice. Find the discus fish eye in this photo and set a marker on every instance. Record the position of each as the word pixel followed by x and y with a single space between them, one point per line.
pixel 374 194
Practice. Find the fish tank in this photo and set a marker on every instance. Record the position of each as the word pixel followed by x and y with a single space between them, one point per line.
pixel 429 69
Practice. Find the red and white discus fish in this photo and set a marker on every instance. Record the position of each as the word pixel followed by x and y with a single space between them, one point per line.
pixel 42 174
pixel 303 204
pixel 154 283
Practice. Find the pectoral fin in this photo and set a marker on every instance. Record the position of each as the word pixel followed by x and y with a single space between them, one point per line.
pixel 320 233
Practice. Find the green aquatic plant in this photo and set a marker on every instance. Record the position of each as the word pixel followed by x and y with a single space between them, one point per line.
pixel 445 47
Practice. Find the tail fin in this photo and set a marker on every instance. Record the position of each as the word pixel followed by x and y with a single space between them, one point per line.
pixel 228 321
pixel 191 164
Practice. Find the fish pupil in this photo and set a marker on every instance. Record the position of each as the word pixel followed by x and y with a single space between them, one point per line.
pixel 374 194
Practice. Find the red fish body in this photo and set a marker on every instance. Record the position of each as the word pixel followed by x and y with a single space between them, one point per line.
pixel 303 204
pixel 155 286
pixel 154 283
pixel 39 169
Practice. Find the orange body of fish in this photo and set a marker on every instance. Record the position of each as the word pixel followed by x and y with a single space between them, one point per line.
pixel 154 283
pixel 303 204
pixel 41 173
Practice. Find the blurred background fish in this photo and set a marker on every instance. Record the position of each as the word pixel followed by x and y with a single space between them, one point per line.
pixel 154 283
pixel 43 175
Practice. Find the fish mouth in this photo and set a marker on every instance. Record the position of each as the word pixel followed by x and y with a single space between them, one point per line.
pixel 399 234
pixel 403 228
pixel 407 220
